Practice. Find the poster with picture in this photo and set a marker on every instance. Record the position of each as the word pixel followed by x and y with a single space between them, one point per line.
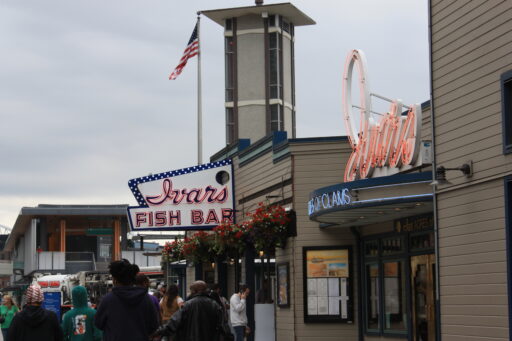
pixel 328 292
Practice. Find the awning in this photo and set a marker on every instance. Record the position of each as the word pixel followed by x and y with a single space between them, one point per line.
pixel 368 201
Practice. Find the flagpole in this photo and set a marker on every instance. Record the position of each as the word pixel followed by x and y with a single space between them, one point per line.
pixel 199 104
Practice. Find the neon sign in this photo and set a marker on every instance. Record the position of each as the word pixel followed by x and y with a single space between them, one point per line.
pixel 392 141
pixel 199 197
pixel 329 200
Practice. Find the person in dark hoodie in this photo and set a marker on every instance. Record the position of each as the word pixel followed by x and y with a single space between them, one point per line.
pixel 200 319
pixel 78 323
pixel 34 322
pixel 127 312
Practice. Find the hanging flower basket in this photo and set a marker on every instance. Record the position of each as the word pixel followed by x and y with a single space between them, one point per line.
pixel 229 240
pixel 199 247
pixel 267 227
pixel 173 251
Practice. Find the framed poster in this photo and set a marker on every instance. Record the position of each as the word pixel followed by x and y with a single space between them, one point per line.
pixel 328 284
pixel 283 284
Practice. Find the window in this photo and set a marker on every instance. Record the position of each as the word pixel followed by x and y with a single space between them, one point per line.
pixel 276 117
pixel 275 83
pixel 230 126
pixel 372 294
pixel 271 20
pixel 394 296
pixel 387 277
pixel 229 25
pixel 506 109
pixel 230 68
pixel 285 25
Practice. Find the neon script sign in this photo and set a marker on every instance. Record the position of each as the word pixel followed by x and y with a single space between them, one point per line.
pixel 194 198
pixel 392 141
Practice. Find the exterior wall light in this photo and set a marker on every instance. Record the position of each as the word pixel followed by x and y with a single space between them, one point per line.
pixel 466 169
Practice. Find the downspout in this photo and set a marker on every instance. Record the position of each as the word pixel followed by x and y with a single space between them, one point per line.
pixel 360 329
pixel 434 177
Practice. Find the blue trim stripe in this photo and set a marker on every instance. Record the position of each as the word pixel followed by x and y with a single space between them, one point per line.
pixel 376 182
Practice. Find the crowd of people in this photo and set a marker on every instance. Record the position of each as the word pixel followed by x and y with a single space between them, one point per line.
pixel 130 312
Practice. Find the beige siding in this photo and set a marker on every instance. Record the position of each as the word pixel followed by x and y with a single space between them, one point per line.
pixel 471 48
pixel 472 262
pixel 316 167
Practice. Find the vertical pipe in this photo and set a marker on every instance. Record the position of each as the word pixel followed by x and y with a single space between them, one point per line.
pixel 434 166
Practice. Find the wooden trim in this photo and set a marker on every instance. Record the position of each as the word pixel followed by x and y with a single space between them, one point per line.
pixel 116 246
pixel 62 235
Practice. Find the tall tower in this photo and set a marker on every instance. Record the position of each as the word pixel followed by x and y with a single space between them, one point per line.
pixel 260 68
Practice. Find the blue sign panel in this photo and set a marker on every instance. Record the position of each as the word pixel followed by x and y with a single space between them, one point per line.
pixel 52 302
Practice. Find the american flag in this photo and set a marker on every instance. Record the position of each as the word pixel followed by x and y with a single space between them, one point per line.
pixel 191 51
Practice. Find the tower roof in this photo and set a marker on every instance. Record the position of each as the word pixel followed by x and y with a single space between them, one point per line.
pixel 287 10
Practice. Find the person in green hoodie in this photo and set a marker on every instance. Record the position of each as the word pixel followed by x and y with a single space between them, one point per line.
pixel 78 323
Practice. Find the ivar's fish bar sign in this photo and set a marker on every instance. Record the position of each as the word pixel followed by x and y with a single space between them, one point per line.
pixel 388 143
pixel 194 198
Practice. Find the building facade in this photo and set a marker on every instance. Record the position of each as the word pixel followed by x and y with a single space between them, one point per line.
pixel 471 46
pixel 66 239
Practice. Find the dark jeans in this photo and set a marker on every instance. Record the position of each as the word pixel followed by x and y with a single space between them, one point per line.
pixel 4 333
pixel 239 333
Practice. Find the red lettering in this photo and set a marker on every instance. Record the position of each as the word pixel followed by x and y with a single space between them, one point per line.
pixel 196 217
pixel 212 217
pixel 193 196
pixel 140 218
pixel 160 219
pixel 228 215
pixel 174 218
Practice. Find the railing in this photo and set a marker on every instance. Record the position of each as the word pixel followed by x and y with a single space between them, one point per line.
pixel 80 261
pixel 141 258
pixel 68 262
pixel 6 267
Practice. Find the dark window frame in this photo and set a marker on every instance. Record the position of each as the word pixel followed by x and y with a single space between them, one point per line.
pixel 379 259
pixel 506 110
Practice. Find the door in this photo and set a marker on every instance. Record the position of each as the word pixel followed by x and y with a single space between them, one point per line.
pixel 423 297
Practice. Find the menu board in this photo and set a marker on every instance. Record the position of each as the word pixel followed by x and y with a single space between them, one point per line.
pixel 327 284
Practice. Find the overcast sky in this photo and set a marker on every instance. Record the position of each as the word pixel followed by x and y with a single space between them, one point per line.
pixel 85 103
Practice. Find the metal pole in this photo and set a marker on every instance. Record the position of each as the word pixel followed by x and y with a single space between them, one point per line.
pixel 199 104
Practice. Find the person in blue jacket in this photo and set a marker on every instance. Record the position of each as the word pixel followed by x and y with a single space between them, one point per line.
pixel 78 323
pixel 127 312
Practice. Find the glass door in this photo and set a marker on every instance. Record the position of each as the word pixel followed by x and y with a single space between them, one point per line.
pixel 423 297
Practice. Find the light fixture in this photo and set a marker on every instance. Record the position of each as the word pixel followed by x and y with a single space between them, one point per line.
pixel 397 208
pixel 466 169
pixel 262 253
pixel 361 217
pixel 213 265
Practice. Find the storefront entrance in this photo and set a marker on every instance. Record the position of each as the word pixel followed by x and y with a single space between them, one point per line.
pixel 423 297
